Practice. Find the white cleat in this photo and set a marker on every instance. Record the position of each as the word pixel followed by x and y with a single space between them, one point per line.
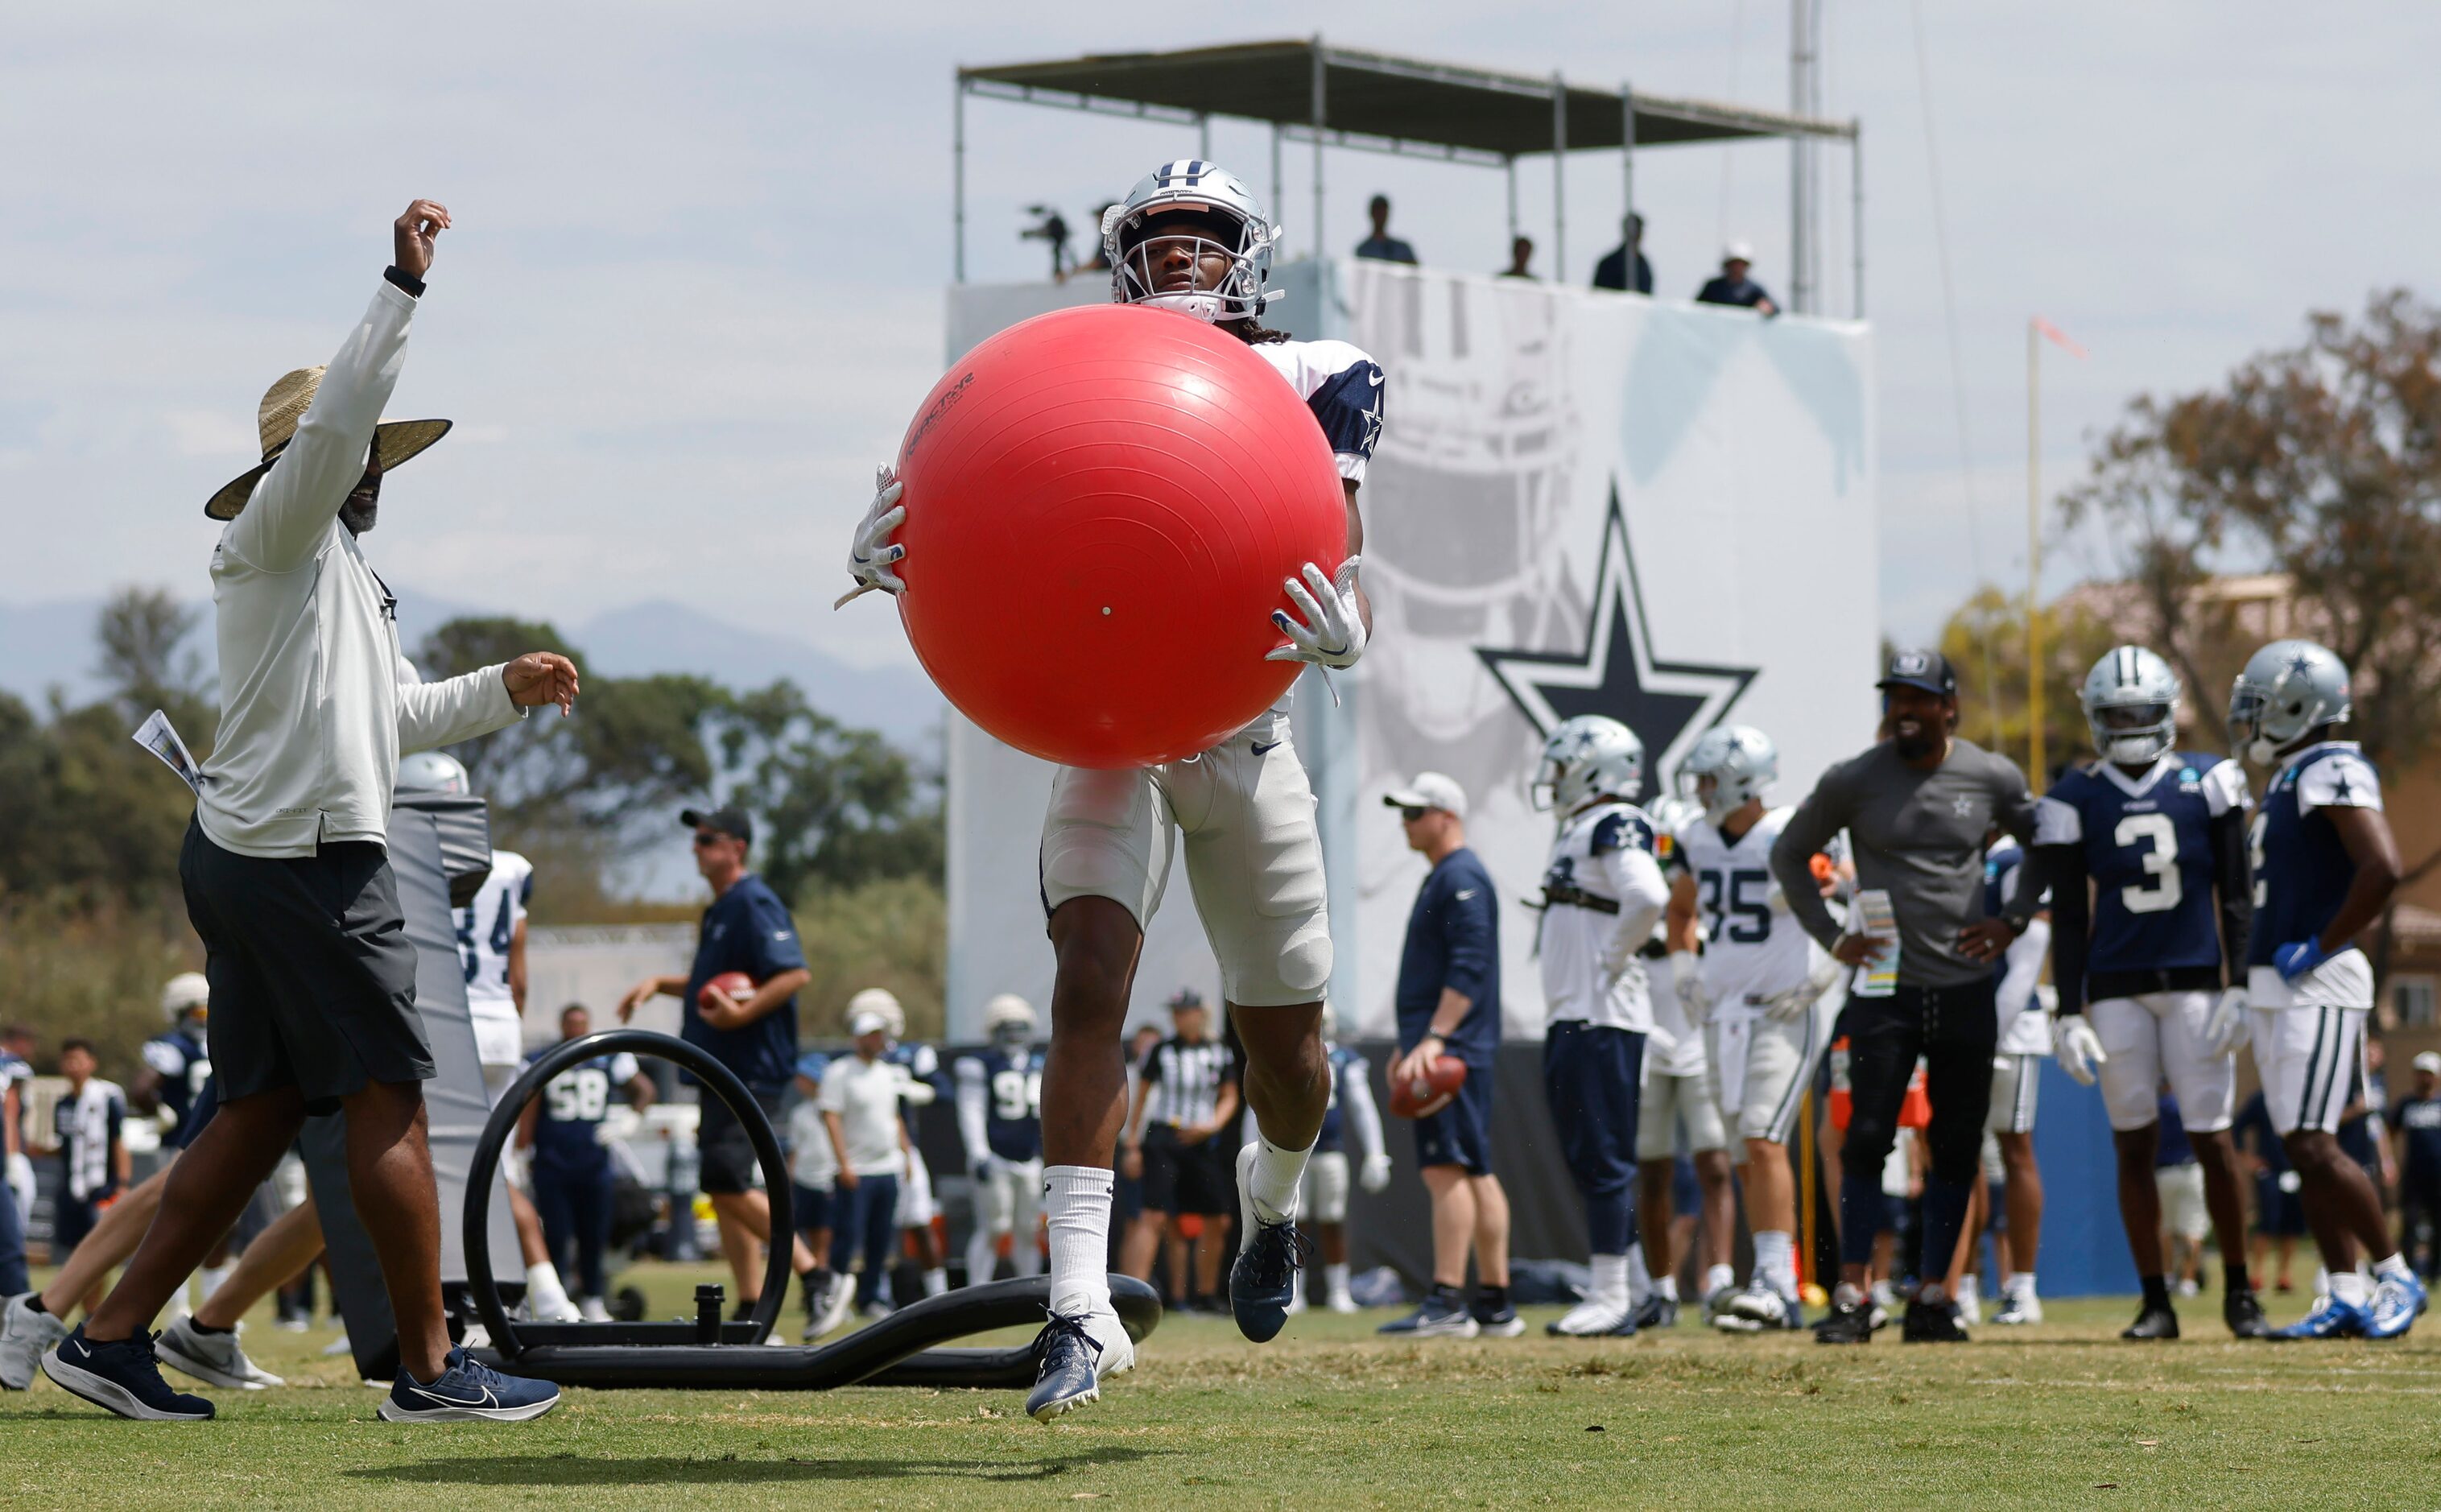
pixel 1592 1320
pixel 24 1337
pixel 2018 1308
pixel 1753 1310
pixel 215 1359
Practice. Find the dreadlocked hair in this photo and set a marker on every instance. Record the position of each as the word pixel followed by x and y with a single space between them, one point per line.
pixel 1253 332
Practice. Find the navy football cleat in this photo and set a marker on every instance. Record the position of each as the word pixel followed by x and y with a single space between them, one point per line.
pixel 1071 1355
pixel 123 1376
pixel 467 1390
pixel 1262 1282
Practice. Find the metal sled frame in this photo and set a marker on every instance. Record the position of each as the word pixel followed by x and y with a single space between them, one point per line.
pixel 900 1350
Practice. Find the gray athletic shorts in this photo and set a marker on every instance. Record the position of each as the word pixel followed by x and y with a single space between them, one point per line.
pixel 313 978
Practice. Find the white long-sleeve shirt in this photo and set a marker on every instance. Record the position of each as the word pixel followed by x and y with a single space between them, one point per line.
pixel 1591 973
pixel 316 702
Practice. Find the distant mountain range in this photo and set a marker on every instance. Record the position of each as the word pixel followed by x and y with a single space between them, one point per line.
pixel 51 644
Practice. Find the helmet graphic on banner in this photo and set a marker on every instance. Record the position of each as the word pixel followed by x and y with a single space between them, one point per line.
pixel 1133 238
pixel 1585 758
pixel 2288 689
pixel 2131 706
pixel 433 771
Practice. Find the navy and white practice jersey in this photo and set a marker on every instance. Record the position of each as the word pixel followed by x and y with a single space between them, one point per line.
pixel 568 1114
pixel 923 1064
pixel 2025 1028
pixel 2302 872
pixel 1342 386
pixel 1604 876
pixel 184 1063
pixel 2147 844
pixel 1010 1085
pixel 1183 1081
pixel 486 928
pixel 1753 948
pixel 1343 1064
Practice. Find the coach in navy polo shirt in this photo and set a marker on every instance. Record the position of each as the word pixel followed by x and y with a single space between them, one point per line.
pixel 1448 1003
pixel 747 928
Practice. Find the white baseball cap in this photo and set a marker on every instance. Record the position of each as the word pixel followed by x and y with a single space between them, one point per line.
pixel 1738 252
pixel 865 1021
pixel 2429 1061
pixel 1429 790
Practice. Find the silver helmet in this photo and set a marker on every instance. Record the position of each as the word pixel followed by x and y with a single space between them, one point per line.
pixel 1585 758
pixel 1191 184
pixel 1740 760
pixel 883 1001
pixel 2289 688
pixel 433 771
pixel 2131 705
pixel 1008 1019
pixel 186 992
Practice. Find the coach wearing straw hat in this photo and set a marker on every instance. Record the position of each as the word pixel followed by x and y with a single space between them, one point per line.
pixel 287 874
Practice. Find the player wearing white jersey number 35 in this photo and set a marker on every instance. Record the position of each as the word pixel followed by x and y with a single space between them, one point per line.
pixel 1191 239
pixel 1760 989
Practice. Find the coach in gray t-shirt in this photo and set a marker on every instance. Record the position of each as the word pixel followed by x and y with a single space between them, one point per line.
pixel 1918 808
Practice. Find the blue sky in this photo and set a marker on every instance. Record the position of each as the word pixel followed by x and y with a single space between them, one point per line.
pixel 695 284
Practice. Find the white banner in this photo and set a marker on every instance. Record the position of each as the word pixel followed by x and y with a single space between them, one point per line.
pixel 1581 503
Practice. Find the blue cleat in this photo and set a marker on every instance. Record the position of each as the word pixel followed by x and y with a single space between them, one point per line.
pixel 2397 1301
pixel 122 1376
pixel 2332 1319
pixel 1262 1282
pixel 467 1390
pixel 1071 1355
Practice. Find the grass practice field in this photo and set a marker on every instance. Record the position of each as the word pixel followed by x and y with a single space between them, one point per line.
pixel 1328 1416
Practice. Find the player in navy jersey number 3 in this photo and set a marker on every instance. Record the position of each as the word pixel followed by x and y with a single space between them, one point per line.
pixel 2324 867
pixel 2149 969
pixel 1192 238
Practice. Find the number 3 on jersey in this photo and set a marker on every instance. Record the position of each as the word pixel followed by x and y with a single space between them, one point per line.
pixel 1744 893
pixel 2159 834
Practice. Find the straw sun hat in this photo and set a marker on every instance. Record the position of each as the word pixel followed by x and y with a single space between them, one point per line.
pixel 283 406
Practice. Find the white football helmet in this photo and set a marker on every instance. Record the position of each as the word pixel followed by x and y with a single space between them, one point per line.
pixel 2131 705
pixel 1008 1019
pixel 2289 688
pixel 883 1001
pixel 1191 184
pixel 433 771
pixel 185 993
pixel 1740 760
pixel 1585 758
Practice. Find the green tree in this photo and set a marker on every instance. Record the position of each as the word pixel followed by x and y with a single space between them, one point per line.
pixel 838 807
pixel 1989 631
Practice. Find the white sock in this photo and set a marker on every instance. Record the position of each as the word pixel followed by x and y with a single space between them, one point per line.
pixel 1970 1290
pixel 1639 1280
pixel 2348 1287
pixel 936 1281
pixel 2322 1282
pixel 1668 1287
pixel 1719 1278
pixel 544 1292
pixel 2020 1285
pixel 1335 1281
pixel 1275 1179
pixel 2393 1269
pixel 1076 1208
pixel 1610 1281
pixel 1776 1260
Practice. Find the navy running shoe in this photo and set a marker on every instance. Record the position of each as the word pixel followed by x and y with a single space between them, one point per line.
pixel 467 1390
pixel 123 1376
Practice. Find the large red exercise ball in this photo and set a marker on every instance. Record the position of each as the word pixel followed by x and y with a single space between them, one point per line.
pixel 1102 505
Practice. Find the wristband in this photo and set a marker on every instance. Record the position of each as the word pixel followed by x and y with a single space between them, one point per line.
pixel 406 280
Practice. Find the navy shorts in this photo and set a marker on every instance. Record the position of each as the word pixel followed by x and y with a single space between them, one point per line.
pixel 1591 1075
pixel 1461 1134
pixel 809 1207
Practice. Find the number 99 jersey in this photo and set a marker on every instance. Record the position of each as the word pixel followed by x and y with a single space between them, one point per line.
pixel 2148 843
pixel 1753 947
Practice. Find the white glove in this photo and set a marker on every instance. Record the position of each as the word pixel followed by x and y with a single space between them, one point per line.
pixel 1376 1174
pixel 2077 1048
pixel 1332 634
pixel 2225 1030
pixel 1687 981
pixel 1787 1007
pixel 870 559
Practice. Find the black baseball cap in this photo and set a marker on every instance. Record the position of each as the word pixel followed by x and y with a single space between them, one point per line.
pixel 730 821
pixel 1928 670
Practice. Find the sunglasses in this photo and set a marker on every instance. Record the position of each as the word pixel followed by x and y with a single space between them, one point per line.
pixel 708 838
pixel 1409 815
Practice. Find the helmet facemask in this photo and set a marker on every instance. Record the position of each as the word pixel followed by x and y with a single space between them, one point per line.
pixel 1137 245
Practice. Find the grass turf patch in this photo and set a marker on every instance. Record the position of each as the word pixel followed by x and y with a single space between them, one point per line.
pixel 2062 1415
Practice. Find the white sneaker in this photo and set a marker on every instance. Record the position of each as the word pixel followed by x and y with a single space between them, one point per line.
pixel 216 1359
pixel 832 1313
pixel 591 1310
pixel 2018 1308
pixel 1753 1310
pixel 24 1337
pixel 1342 1302
pixel 341 1346
pixel 1589 1319
pixel 2187 1288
